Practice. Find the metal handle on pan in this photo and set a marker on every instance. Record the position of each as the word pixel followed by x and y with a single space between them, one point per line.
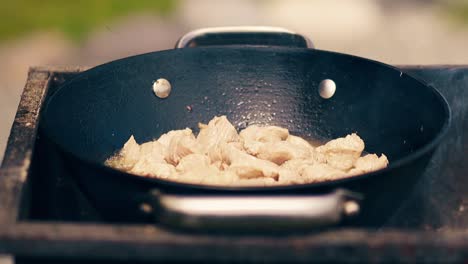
pixel 254 213
pixel 243 35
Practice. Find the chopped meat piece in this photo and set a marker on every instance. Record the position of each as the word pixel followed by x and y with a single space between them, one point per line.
pixel 217 157
pixel 146 159
pixel 281 151
pixel 368 163
pixel 181 145
pixel 342 153
pixel 221 153
pixel 256 182
pixel 219 129
pixel 254 135
pixel 298 141
pixel 196 168
pixel 151 159
pixel 289 176
pixel 246 166
pixel 320 172
pixel 165 139
pixel 158 170
pixel 153 151
pixel 191 161
pixel 199 174
pixel 307 171
pixel 297 164
pixel 291 171
pixel 258 156
pixel 127 157
pixel 221 178
pixel 237 144
pixel 272 134
pixel 254 169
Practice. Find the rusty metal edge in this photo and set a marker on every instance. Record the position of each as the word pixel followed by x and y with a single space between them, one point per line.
pixel 20 146
pixel 24 127
pixel 146 242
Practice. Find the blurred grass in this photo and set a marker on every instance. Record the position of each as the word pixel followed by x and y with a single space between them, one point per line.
pixel 456 10
pixel 74 18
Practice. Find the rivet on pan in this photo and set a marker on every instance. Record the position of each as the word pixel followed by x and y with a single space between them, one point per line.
pixel 146 208
pixel 351 208
pixel 162 88
pixel 327 88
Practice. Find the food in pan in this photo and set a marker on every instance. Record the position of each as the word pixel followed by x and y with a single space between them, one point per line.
pixel 257 156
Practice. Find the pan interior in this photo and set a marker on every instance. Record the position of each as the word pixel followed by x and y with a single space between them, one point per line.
pixel 93 115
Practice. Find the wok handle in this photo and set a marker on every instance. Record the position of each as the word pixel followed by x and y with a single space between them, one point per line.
pixel 253 213
pixel 243 35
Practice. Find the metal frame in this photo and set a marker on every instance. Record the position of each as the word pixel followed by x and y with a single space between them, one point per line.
pixel 148 242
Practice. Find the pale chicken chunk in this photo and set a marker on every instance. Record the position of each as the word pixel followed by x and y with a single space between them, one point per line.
pixel 289 176
pixel 298 164
pixel 180 145
pixel 127 157
pixel 151 160
pixel 256 182
pixel 219 129
pixel 304 144
pixel 368 163
pixel 307 171
pixel 158 170
pixel 165 139
pixel 258 156
pixel 281 151
pixel 254 136
pixel 195 168
pixel 247 166
pixel 342 153
pixel 254 168
pixel 191 161
pixel 199 174
pixel 219 154
pixel 146 159
pixel 299 141
pixel 221 178
pixel 320 172
pixel 153 151
pixel 291 171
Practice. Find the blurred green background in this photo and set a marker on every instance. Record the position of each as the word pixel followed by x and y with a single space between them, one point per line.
pixel 77 18
pixel 73 18
pixel 456 10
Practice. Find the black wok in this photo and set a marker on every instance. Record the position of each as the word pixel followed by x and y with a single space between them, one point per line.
pixel 89 118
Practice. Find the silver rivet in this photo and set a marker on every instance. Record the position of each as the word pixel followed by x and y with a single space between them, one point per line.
pixel 162 88
pixel 351 208
pixel 146 208
pixel 327 88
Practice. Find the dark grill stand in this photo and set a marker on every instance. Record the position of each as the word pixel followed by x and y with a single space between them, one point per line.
pixel 45 217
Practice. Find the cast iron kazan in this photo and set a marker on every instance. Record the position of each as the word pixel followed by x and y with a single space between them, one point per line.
pixel 267 77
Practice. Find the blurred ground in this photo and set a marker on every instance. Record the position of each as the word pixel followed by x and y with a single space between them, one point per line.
pixel 395 32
